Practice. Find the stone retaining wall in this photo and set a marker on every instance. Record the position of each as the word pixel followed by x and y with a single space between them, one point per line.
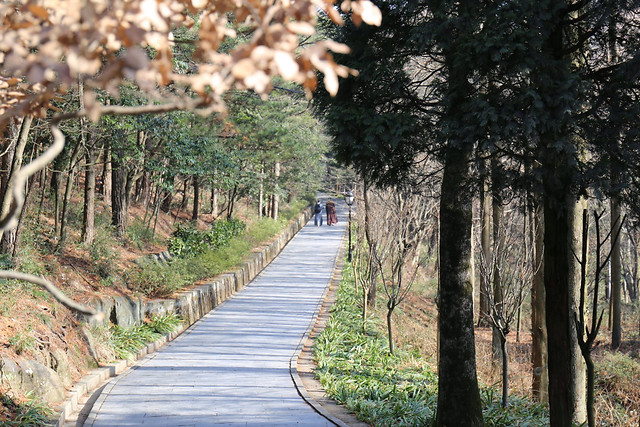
pixel 192 304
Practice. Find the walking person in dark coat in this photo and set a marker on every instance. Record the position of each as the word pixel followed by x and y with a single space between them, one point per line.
pixel 317 214
pixel 332 217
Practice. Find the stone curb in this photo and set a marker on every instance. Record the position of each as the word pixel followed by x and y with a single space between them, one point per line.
pixel 97 377
pixel 209 295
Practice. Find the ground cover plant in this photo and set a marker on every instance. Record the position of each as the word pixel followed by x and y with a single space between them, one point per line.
pixel 356 370
pixel 128 341
pixel 29 413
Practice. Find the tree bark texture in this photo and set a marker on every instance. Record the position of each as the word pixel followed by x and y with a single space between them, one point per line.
pixel 616 276
pixel 261 193
pixel 505 371
pixel 89 211
pixel 118 203
pixel 67 194
pixel 579 368
pixel 107 172
pixel 558 227
pixel 559 151
pixel 456 365
pixel 214 201
pixel 196 198
pixel 485 243
pixel 276 190
pixel 372 291
pixel 25 208
pixel 540 383
pixel 14 160
pixel 498 250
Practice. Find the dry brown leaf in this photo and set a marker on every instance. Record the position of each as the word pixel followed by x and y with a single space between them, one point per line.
pixel 38 11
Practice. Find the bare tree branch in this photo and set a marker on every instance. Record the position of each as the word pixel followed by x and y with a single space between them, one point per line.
pixel 53 290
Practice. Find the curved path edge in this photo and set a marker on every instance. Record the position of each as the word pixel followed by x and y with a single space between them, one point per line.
pixel 302 365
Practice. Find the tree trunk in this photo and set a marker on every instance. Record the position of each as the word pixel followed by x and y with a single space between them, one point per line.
pixel 128 191
pixel 498 250
pixel 261 193
pixel 25 208
pixel 557 153
pixel 67 194
pixel 505 370
pixel 107 172
pixel 389 328
pixel 14 162
pixel 185 198
pixel 540 383
pixel 89 211
pixel 485 243
pixel 373 287
pixel 8 148
pixel 591 384
pixel 196 198
pixel 167 198
pixel 616 282
pixel 456 364
pixel 558 230
pixel 231 201
pixel 276 190
pixel 579 368
pixel 145 179
pixel 118 202
pixel 214 201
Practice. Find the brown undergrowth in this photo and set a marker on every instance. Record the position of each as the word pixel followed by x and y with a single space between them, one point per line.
pixel 618 373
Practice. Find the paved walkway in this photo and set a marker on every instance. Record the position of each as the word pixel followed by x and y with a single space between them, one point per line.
pixel 232 366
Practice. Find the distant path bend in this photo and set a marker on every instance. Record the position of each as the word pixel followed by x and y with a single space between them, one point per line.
pixel 232 366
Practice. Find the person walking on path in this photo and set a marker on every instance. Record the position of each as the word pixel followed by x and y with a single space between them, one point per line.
pixel 317 214
pixel 332 217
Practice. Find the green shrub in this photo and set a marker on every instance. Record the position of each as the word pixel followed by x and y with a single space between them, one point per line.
pixel 127 341
pixel 156 280
pixel 201 254
pixel 102 254
pixel 188 241
pixel 140 234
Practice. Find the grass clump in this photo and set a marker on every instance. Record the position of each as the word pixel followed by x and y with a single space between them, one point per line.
pixel 30 413
pixel 22 342
pixel 128 341
pixel 356 370
pixel 520 411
